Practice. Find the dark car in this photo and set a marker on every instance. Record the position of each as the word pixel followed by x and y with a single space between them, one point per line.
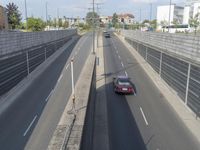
pixel 122 84
pixel 107 35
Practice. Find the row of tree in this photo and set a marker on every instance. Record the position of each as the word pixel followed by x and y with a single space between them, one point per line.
pixel 33 24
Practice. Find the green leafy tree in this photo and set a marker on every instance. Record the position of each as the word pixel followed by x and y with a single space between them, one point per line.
pixel 65 24
pixel 163 23
pixel 115 20
pixel 54 23
pixel 14 15
pixel 89 18
pixel 60 24
pixel 195 22
pixel 153 24
pixel 35 24
pixel 175 22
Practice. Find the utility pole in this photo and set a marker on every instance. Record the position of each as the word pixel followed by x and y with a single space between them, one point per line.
pixel 170 3
pixel 150 11
pixel 46 15
pixel 93 21
pixel 98 12
pixel 46 12
pixel 58 17
pixel 26 15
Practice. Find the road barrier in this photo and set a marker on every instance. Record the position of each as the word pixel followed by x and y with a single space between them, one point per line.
pixel 15 67
pixel 182 75
pixel 184 45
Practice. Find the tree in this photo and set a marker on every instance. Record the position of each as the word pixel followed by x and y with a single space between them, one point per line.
pixel 163 23
pixel 153 24
pixel 36 24
pixel 60 24
pixel 176 23
pixel 89 18
pixel 14 15
pixel 195 22
pixel 65 24
pixel 54 22
pixel 115 20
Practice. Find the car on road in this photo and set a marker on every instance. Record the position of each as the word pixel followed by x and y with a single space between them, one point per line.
pixel 123 85
pixel 107 35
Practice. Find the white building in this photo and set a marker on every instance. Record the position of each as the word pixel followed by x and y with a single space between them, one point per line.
pixel 167 15
pixel 191 9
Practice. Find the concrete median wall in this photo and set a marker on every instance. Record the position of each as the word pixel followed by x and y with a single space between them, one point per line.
pixel 184 45
pixel 16 41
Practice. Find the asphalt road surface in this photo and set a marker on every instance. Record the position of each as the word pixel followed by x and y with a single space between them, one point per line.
pixel 31 120
pixel 145 121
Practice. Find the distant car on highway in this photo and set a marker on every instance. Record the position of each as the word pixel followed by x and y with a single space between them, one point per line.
pixel 123 85
pixel 107 35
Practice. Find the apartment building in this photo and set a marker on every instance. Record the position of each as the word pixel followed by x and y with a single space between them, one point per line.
pixel 169 14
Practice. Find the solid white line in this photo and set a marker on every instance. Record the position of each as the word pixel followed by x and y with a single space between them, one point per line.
pixel 48 96
pixel 67 66
pixel 122 64
pixel 60 77
pixel 126 73
pixel 144 116
pixel 30 125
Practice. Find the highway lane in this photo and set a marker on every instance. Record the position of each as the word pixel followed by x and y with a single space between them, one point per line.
pixel 145 121
pixel 20 119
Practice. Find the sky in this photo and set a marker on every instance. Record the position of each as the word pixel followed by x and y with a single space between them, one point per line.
pixel 79 8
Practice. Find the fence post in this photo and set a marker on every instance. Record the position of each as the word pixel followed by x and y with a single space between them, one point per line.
pixel 45 53
pixel 187 84
pixel 146 53
pixel 27 62
pixel 160 69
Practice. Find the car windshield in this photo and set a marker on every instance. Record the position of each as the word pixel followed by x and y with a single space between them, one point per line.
pixel 124 81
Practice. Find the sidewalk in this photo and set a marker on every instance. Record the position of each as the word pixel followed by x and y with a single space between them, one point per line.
pixel 186 115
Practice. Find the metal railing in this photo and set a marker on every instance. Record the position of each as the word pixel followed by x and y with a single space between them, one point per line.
pixel 15 67
pixel 182 76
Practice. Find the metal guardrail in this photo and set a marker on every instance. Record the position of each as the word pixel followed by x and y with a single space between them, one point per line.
pixel 182 76
pixel 15 68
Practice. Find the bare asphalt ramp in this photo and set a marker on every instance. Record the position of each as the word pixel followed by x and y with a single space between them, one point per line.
pixel 20 119
pixel 145 121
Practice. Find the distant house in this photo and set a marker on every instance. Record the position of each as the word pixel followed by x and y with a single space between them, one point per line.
pixel 122 18
pixel 3 19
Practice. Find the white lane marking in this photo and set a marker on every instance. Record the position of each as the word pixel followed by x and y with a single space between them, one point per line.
pixel 30 125
pixel 126 73
pixel 60 77
pixel 145 119
pixel 119 57
pixel 122 64
pixel 67 66
pixel 48 96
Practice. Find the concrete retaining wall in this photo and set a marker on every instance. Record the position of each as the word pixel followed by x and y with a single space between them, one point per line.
pixel 187 46
pixel 15 41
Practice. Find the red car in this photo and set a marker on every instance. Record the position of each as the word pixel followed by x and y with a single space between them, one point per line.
pixel 122 84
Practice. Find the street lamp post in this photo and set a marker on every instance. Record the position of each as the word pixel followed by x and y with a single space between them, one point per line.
pixel 93 39
pixel 26 15
pixel 170 3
